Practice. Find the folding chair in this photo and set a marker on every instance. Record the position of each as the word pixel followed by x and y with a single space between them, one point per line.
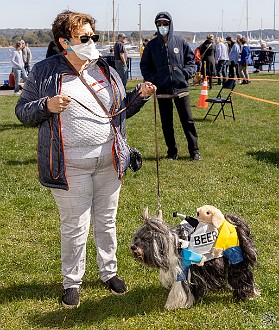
pixel 228 85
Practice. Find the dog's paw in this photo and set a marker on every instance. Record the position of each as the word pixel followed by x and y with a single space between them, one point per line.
pixel 203 260
pixel 216 252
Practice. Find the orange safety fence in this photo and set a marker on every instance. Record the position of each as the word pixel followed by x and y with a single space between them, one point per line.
pixel 255 98
pixel 249 96
pixel 252 79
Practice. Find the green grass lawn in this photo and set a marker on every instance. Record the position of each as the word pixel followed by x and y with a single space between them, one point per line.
pixel 238 174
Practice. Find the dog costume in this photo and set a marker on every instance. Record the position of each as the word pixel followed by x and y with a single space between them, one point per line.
pixel 235 243
pixel 155 244
pixel 228 241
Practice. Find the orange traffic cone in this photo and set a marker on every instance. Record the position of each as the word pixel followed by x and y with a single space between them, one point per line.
pixel 203 95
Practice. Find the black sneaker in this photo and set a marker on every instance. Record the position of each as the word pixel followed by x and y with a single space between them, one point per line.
pixel 70 298
pixel 116 285
pixel 172 157
pixel 196 156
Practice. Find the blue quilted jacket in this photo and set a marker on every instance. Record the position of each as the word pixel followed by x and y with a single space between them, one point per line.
pixel 44 81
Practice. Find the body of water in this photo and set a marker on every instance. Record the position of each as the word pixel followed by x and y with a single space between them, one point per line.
pixel 39 53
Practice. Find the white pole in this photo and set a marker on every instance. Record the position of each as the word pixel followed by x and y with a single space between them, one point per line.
pixel 113 23
pixel 247 19
pixel 140 37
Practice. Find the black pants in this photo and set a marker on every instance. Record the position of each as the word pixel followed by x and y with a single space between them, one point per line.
pixel 233 70
pixel 186 118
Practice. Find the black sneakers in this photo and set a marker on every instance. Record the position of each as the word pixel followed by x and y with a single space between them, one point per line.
pixel 196 156
pixel 116 285
pixel 172 157
pixel 70 298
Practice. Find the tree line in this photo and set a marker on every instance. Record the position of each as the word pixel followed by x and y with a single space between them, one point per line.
pixel 42 37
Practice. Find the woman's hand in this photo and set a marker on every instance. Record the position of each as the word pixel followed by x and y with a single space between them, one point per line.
pixel 58 103
pixel 147 89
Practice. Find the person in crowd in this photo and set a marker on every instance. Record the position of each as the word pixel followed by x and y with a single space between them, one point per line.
pixel 120 58
pixel 169 62
pixel 198 61
pixel 245 60
pixel 238 37
pixel 27 56
pixel 76 100
pixel 234 51
pixel 144 43
pixel 264 57
pixel 221 60
pixel 52 49
pixel 208 59
pixel 18 67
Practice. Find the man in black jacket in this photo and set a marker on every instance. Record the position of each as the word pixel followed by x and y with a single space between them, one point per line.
pixel 169 62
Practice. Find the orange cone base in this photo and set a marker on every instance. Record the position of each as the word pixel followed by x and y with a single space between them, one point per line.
pixel 203 96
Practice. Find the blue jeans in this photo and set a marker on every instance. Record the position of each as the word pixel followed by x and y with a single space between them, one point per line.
pixel 221 69
pixel 122 71
pixel 19 73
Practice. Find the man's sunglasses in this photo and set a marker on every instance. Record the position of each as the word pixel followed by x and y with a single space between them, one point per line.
pixel 162 23
pixel 85 39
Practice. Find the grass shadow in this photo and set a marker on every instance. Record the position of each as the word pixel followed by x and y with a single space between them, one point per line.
pixel 266 156
pixel 91 311
pixel 29 291
pixel 5 127
pixel 21 162
pixel 137 302
pixel 179 158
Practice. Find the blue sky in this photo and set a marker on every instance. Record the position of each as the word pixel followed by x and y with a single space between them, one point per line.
pixel 202 15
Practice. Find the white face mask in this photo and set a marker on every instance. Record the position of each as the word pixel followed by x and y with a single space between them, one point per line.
pixel 85 51
pixel 164 30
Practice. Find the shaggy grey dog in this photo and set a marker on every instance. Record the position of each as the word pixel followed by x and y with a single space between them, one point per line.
pixel 155 244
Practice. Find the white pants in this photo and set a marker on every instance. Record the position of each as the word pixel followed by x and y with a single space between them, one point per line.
pixel 93 194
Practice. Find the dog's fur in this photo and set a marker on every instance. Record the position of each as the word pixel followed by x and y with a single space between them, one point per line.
pixel 155 244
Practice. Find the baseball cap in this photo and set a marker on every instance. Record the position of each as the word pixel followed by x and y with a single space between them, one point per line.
pixel 162 17
pixel 122 35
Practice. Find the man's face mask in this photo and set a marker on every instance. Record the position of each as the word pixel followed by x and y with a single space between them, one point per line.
pixel 164 30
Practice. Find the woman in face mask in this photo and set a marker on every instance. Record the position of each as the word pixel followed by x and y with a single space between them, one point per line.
pixel 80 106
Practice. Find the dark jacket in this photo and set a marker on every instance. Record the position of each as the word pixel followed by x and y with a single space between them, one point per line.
pixel 208 58
pixel 169 66
pixel 208 50
pixel 44 81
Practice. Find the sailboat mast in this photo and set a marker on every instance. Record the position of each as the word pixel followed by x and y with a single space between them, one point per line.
pixel 274 27
pixel 222 28
pixel 113 22
pixel 247 30
pixel 140 37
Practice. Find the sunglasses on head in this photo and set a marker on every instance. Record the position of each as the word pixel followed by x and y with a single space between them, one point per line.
pixel 84 39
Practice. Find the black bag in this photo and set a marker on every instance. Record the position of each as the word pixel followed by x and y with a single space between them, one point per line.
pixel 135 159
